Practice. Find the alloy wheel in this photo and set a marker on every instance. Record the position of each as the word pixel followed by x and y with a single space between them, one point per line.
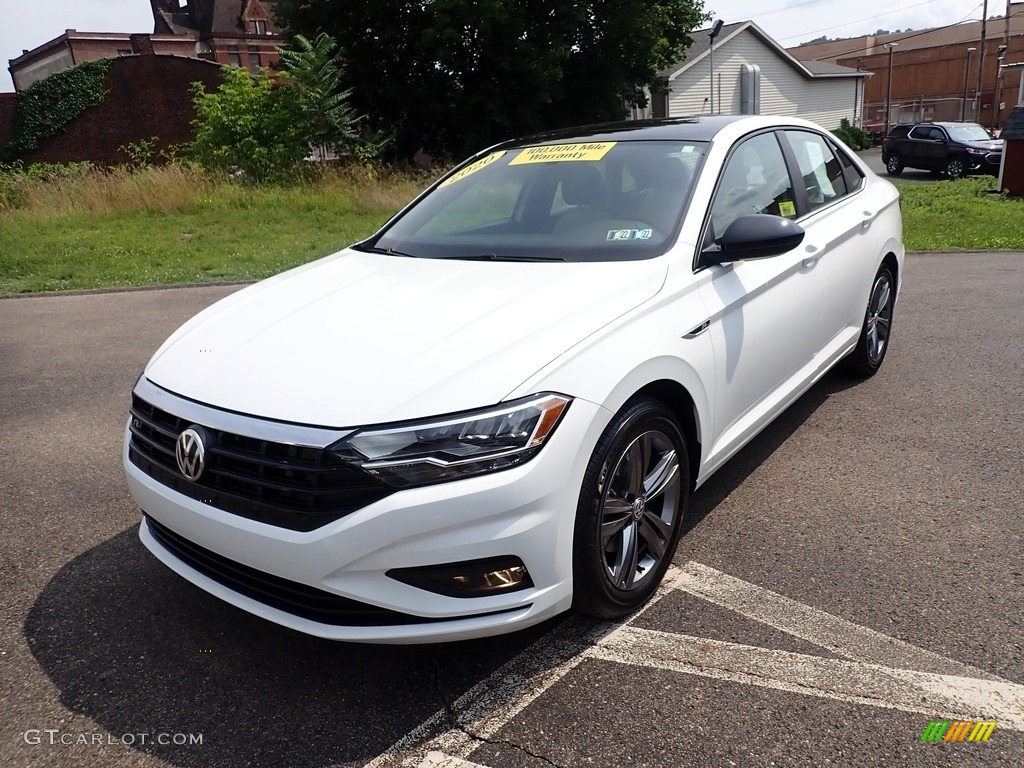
pixel 640 502
pixel 879 318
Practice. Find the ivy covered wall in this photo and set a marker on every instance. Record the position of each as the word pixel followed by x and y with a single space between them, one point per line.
pixel 89 112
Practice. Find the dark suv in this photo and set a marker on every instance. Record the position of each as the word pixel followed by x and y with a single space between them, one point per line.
pixel 950 149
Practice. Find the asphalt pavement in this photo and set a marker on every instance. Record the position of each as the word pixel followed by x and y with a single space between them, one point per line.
pixel 853 575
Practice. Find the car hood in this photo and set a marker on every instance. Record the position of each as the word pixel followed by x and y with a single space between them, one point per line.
pixel 359 338
pixel 995 145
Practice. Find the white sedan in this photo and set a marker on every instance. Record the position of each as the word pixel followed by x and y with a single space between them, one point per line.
pixel 496 408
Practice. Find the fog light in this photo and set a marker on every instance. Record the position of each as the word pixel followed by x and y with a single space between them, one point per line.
pixel 474 578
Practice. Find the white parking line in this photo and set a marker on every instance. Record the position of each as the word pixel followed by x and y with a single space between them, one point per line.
pixel 492 702
pixel 939 696
pixel 438 760
pixel 881 671
pixel 830 632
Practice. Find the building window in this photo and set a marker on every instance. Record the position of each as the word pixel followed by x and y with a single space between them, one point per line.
pixel 234 59
pixel 257 27
pixel 255 62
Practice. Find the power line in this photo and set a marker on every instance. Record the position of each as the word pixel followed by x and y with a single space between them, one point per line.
pixel 879 15
pixel 860 48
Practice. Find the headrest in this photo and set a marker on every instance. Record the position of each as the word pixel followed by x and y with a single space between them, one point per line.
pixel 671 174
pixel 582 184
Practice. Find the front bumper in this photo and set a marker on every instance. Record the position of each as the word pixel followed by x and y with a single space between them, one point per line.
pixel 528 512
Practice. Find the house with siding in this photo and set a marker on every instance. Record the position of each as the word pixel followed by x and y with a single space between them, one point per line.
pixel 753 74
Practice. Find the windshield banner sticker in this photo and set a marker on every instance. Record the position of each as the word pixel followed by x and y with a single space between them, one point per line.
pixel 483 162
pixel 630 234
pixel 560 153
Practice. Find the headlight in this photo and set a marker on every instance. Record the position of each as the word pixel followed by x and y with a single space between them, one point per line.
pixel 973 151
pixel 455 447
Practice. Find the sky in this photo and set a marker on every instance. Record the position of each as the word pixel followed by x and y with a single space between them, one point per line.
pixel 25 24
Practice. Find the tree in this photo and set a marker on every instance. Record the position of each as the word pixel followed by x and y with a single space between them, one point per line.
pixel 458 75
pixel 248 126
pixel 313 70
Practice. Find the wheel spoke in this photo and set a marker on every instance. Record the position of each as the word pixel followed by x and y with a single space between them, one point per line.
pixel 882 298
pixel 616 514
pixel 624 571
pixel 663 474
pixel 637 457
pixel 656 532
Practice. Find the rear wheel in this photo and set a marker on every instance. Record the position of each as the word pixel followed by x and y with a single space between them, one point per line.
pixel 894 165
pixel 630 511
pixel 867 356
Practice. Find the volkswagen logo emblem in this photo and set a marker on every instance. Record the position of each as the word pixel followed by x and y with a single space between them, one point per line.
pixel 639 507
pixel 190 453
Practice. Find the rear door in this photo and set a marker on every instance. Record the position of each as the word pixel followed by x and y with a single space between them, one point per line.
pixel 930 147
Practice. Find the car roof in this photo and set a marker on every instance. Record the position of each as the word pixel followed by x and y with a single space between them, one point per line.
pixel 697 128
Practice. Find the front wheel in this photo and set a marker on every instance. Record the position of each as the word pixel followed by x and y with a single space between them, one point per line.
pixel 867 356
pixel 894 166
pixel 955 168
pixel 630 511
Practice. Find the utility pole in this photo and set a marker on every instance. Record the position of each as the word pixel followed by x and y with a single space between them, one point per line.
pixel 967 73
pixel 888 90
pixel 981 59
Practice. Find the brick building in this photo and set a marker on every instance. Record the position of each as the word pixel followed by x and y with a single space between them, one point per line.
pixel 238 33
pixel 74 47
pixel 935 72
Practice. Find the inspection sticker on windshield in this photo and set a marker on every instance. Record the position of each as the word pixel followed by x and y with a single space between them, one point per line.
pixel 560 153
pixel 473 167
pixel 630 234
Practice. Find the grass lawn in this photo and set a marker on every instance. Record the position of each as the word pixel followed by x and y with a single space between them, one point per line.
pixel 174 225
pixel 961 215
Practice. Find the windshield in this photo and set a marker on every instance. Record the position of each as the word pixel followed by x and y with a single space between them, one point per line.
pixel 586 201
pixel 969 132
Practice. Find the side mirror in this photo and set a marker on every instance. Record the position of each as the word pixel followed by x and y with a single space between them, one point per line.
pixel 755 236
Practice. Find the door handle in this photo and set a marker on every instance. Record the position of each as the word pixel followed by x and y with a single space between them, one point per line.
pixel 869 217
pixel 813 254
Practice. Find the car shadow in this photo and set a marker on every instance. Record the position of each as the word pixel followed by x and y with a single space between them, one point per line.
pixel 138 650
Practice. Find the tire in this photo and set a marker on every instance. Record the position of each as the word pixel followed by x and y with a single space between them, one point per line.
pixel 867 356
pixel 955 168
pixel 631 507
pixel 894 165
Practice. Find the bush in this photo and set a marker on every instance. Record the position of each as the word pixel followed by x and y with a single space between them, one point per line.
pixel 247 128
pixel 855 138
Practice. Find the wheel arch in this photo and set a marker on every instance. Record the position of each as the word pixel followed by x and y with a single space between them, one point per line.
pixel 677 399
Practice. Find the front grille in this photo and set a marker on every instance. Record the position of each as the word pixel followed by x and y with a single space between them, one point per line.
pixel 288 596
pixel 290 486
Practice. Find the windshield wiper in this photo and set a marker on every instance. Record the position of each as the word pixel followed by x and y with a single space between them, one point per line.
pixel 505 257
pixel 385 251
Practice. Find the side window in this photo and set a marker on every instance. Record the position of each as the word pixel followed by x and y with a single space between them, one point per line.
pixel 755 180
pixel 852 174
pixel 822 174
pixel 920 132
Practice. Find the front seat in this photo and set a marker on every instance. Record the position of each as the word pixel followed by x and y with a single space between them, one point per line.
pixel 582 187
